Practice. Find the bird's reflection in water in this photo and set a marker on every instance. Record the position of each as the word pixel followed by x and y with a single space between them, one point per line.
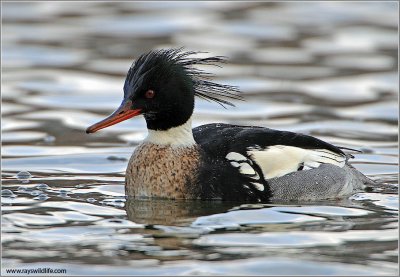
pixel 172 212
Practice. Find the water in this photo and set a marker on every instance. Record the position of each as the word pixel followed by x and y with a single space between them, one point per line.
pixel 328 69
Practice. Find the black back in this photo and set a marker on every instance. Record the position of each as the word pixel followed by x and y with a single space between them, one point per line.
pixel 218 139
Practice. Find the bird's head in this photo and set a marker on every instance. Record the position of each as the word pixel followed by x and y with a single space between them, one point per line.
pixel 162 86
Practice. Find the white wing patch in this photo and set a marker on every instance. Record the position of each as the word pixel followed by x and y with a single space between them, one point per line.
pixel 243 163
pixel 237 157
pixel 278 160
pixel 258 186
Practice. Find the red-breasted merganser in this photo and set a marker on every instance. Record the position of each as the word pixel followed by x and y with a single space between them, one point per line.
pixel 218 161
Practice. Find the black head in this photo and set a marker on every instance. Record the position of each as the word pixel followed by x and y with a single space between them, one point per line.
pixel 162 86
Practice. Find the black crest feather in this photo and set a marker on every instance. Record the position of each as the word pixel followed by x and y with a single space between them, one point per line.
pixel 203 86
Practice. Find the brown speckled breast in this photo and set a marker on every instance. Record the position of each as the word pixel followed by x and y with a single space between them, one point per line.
pixel 159 171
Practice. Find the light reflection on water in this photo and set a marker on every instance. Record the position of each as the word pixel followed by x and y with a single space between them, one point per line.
pixel 332 75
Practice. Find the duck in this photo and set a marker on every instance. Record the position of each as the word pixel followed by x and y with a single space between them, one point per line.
pixel 218 161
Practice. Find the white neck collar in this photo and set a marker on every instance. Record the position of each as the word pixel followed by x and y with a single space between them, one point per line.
pixel 181 136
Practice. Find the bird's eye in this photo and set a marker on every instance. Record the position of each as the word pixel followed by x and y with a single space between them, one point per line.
pixel 149 94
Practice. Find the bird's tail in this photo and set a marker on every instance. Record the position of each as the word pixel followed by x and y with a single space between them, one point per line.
pixel 366 180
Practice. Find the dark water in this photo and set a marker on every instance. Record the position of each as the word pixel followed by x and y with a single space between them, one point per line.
pixel 328 69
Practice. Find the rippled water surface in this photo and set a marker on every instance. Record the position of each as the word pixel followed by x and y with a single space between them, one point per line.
pixel 328 69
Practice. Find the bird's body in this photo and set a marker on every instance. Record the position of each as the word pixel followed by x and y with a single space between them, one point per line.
pixel 218 161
